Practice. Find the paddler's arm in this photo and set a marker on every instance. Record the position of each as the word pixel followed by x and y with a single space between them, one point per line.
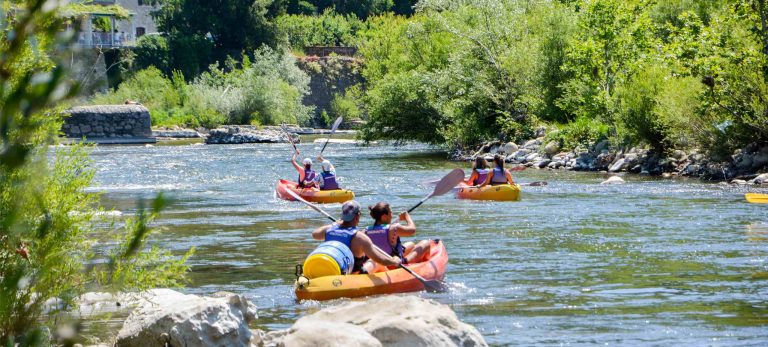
pixel 472 178
pixel 407 229
pixel 509 177
pixel 319 233
pixel 373 252
pixel 297 166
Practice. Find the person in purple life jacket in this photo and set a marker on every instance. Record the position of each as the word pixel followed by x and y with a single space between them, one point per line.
pixel 480 171
pixel 326 180
pixel 499 175
pixel 346 232
pixel 386 236
pixel 307 177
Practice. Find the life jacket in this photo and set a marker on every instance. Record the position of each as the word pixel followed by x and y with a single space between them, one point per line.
pixel 379 235
pixel 499 176
pixel 482 174
pixel 309 176
pixel 329 181
pixel 340 234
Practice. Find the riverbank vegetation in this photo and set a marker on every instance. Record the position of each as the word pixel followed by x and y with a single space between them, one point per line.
pixel 661 74
pixel 49 224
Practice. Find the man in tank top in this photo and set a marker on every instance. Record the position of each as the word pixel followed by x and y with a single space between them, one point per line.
pixel 359 243
pixel 386 236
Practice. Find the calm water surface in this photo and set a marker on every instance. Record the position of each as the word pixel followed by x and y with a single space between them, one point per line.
pixel 652 262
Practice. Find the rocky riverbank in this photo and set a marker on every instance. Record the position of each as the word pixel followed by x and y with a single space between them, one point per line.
pixel 743 167
pixel 165 317
pixel 237 134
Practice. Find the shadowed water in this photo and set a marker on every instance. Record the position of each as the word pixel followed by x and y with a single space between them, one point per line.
pixel 651 262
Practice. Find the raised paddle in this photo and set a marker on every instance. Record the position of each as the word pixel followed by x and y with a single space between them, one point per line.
pixel 290 138
pixel 756 198
pixel 313 206
pixel 333 130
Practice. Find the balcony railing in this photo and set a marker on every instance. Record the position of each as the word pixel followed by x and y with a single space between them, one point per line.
pixel 105 40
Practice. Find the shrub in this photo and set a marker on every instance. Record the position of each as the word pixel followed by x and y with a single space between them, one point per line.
pixel 152 50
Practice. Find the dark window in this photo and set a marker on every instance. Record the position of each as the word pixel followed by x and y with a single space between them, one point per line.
pixel 140 31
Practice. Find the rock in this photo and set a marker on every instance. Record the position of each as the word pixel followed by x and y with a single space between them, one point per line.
pixel 532 144
pixel 760 179
pixel 375 322
pixel 541 131
pixel 759 160
pixel 679 155
pixel 603 161
pixel 542 163
pixel 166 316
pixel 666 175
pixel 613 180
pixel 532 157
pixel 236 134
pixel 176 132
pixel 601 146
pixel 739 182
pixel 552 148
pixel 617 166
pixel 509 148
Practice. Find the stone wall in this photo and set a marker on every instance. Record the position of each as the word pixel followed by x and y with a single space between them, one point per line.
pixel 329 76
pixel 108 121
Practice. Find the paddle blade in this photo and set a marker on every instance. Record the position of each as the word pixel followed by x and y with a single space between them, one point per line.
pixel 336 124
pixel 432 286
pixel 447 183
pixel 756 198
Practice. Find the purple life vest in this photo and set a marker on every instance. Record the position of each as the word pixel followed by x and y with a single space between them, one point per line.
pixel 309 176
pixel 482 174
pixel 499 176
pixel 379 235
pixel 329 181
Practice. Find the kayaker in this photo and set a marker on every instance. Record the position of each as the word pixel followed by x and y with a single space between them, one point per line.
pixel 307 177
pixel 326 180
pixel 386 236
pixel 479 174
pixel 346 232
pixel 499 175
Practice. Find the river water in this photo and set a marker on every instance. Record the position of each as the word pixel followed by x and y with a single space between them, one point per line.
pixel 651 262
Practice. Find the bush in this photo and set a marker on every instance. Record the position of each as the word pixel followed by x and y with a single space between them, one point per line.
pixel 153 50
pixel 149 87
pixel 583 131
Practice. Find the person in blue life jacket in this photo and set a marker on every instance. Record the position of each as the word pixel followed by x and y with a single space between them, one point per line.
pixel 326 180
pixel 307 176
pixel 358 242
pixel 386 236
pixel 480 172
pixel 499 175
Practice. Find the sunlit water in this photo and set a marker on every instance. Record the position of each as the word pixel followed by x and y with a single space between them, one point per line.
pixel 651 262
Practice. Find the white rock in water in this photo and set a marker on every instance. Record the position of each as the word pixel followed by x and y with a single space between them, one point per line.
pixel 167 316
pixel 613 180
pixel 761 179
pixel 383 321
pixel 509 148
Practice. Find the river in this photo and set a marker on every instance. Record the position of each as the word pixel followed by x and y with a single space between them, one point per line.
pixel 651 262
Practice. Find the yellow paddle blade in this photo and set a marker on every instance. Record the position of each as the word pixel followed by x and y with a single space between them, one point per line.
pixel 756 198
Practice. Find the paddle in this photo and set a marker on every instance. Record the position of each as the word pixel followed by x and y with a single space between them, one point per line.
pixel 333 130
pixel 313 206
pixel 290 138
pixel 444 185
pixel 756 198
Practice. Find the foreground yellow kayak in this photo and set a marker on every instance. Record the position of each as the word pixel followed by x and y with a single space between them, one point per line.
pixel 313 194
pixel 503 192
pixel 756 198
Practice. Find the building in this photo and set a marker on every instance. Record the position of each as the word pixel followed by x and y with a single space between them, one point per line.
pixel 103 29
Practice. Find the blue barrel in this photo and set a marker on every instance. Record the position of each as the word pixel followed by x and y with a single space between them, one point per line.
pixel 328 259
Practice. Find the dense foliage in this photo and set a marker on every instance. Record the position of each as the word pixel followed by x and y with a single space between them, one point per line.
pixel 265 89
pixel 683 73
pixel 47 219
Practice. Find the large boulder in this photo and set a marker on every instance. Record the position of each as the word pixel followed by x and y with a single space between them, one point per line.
pixel 166 316
pixel 383 321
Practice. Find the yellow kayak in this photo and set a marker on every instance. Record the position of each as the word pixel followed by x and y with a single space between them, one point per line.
pixel 502 192
pixel 313 194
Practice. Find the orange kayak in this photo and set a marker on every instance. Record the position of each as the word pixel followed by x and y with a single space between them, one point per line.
pixel 385 282
pixel 503 192
pixel 313 194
